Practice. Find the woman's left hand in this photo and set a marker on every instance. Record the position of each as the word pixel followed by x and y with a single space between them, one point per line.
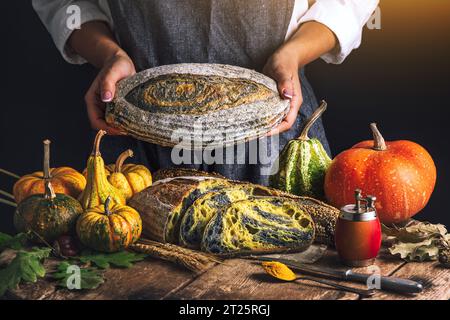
pixel 282 66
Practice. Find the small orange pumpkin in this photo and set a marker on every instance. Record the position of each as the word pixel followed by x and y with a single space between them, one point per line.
pixel 109 228
pixel 64 180
pixel 401 174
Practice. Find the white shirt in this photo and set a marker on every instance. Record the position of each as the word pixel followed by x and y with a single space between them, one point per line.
pixel 346 18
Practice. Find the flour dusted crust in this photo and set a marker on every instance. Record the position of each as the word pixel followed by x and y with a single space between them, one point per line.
pixel 180 172
pixel 199 105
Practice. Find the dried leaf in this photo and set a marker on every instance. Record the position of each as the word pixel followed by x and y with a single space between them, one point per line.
pixel 414 232
pixel 419 251
pixel 417 241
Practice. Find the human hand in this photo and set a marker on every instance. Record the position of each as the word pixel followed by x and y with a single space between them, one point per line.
pixel 103 90
pixel 283 67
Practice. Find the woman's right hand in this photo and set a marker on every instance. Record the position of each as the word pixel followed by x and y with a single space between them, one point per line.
pixel 103 90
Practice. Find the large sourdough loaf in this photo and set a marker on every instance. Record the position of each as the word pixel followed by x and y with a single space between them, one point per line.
pixel 196 105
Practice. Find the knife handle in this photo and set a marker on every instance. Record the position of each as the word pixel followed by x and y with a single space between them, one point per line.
pixel 388 283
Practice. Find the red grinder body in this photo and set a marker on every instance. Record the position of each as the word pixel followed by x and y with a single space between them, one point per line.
pixel 358 232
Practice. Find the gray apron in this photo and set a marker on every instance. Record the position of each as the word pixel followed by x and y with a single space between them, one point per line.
pixel 235 32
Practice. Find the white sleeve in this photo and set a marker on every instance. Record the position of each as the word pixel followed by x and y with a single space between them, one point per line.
pixel 346 18
pixel 54 15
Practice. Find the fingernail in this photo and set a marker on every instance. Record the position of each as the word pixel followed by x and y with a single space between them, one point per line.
pixel 106 96
pixel 287 94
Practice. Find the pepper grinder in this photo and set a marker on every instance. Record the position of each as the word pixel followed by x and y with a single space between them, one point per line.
pixel 358 232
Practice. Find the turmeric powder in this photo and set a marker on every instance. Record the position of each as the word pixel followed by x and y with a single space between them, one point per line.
pixel 279 270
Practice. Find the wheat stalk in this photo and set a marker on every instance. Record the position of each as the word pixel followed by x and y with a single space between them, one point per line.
pixel 190 259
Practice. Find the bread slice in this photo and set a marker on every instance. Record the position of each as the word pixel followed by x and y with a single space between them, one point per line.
pixel 198 215
pixel 259 224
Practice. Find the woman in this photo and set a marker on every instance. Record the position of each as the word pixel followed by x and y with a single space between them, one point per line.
pixel 277 37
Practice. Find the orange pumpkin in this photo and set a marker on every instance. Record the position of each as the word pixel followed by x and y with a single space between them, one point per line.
pixel 401 174
pixel 64 180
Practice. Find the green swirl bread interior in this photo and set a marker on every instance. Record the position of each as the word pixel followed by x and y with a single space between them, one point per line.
pixel 258 224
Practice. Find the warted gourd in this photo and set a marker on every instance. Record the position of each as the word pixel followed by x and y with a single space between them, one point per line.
pixel 98 188
pixel 109 228
pixel 64 180
pixel 303 163
pixel 48 215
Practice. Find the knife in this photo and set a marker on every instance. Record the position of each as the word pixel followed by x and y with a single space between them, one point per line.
pixel 394 284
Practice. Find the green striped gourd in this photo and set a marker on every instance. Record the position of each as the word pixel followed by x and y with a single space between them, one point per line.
pixel 303 163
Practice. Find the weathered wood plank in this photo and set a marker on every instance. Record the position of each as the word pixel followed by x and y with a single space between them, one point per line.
pixel 240 279
pixel 235 279
pixel 244 279
pixel 149 279
pixel 434 278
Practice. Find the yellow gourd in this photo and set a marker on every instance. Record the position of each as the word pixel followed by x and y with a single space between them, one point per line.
pixel 128 178
pixel 98 187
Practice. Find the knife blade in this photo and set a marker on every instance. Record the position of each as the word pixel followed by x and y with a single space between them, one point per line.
pixel 393 284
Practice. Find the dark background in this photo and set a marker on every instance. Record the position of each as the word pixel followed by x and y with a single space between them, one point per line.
pixel 398 78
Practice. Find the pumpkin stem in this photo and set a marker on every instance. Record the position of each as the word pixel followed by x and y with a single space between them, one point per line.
pixel 47 159
pixel 49 191
pixel 8 173
pixel 7 202
pixel 107 201
pixel 121 159
pixel 316 115
pixel 98 138
pixel 378 140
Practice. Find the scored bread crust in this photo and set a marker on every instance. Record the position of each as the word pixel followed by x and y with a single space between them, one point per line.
pixel 180 172
pixel 213 127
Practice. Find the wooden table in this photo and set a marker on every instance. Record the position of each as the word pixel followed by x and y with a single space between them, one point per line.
pixel 236 279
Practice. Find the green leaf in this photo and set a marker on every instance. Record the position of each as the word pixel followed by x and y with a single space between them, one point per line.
pixel 26 266
pixel 122 259
pixel 16 242
pixel 89 278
